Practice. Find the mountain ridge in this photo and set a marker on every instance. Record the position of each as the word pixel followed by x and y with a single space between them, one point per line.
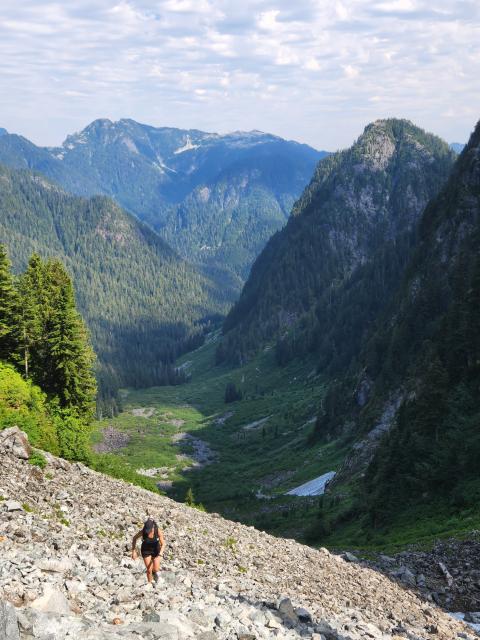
pixel 215 198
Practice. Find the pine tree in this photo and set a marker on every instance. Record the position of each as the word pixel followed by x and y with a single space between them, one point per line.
pixel 69 356
pixel 8 307
pixel 232 394
pixel 31 310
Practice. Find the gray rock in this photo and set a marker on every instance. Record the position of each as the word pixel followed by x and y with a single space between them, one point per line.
pixel 387 559
pixel 13 505
pixel 349 557
pixel 13 441
pixel 287 611
pixel 8 622
pixel 52 601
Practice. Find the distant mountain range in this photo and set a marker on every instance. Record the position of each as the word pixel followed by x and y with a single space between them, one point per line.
pixel 458 147
pixel 216 199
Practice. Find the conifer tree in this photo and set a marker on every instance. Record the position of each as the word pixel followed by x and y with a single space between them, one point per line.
pixel 30 317
pixel 69 356
pixel 8 307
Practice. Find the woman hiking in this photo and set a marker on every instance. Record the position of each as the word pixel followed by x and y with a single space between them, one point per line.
pixel 152 548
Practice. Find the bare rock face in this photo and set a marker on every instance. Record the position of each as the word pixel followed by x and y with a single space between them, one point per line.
pixel 15 442
pixel 66 572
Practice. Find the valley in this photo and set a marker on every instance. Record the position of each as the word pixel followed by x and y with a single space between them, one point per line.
pixel 239 320
pixel 261 449
pixel 258 443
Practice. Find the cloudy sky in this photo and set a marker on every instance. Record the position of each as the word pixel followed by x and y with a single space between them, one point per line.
pixel 312 70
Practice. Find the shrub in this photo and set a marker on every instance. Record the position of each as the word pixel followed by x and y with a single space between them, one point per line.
pixel 37 459
pixel 23 404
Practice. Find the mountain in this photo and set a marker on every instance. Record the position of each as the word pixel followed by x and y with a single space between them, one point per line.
pixel 218 579
pixel 422 361
pixel 343 249
pixel 457 146
pixel 216 199
pixel 141 301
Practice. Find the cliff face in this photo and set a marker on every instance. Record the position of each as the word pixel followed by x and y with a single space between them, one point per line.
pixel 65 570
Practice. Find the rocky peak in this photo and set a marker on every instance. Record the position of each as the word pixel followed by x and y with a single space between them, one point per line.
pixel 97 128
pixel 382 139
pixel 66 571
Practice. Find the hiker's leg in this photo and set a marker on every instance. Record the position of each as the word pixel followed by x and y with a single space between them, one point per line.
pixel 148 560
pixel 156 564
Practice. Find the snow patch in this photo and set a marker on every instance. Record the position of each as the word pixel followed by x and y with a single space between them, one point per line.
pixel 315 487
pixel 188 146
pixel 256 424
pixel 130 144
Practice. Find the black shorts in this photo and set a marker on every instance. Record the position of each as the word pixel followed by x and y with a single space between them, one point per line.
pixel 150 549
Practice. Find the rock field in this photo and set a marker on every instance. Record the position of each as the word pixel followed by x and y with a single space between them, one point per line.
pixel 66 571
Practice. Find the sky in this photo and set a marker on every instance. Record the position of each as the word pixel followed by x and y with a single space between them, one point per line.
pixel 309 70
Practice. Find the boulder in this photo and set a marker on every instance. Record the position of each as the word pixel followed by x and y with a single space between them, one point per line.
pixel 13 505
pixel 286 610
pixel 52 601
pixel 49 626
pixel 13 441
pixel 303 615
pixel 349 557
pixel 55 566
pixel 472 617
pixel 8 622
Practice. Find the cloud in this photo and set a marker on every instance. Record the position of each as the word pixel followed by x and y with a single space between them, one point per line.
pixel 309 70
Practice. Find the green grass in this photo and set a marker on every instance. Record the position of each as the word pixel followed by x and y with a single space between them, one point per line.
pixel 270 458
pixel 37 459
pixel 417 526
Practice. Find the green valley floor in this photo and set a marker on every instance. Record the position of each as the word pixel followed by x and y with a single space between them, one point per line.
pixel 241 458
pixel 237 458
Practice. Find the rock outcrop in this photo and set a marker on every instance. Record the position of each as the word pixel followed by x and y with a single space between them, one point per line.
pixel 66 572
pixel 15 442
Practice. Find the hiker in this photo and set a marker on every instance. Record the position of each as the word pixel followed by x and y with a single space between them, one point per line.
pixel 152 548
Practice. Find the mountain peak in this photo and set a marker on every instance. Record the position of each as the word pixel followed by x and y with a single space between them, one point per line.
pixel 381 139
pixel 3 132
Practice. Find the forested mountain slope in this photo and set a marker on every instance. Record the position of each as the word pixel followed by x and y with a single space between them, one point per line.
pixel 333 266
pixel 423 359
pixel 215 198
pixel 139 299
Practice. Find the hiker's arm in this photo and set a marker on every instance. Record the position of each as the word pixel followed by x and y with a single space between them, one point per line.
pixel 162 542
pixel 134 544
